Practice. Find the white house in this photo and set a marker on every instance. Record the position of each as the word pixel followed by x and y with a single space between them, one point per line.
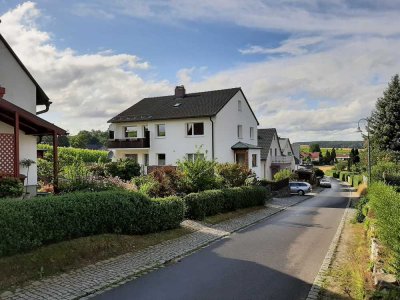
pixel 288 153
pixel 162 130
pixel 21 98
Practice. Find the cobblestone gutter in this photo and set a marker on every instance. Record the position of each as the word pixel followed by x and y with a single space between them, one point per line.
pixel 96 279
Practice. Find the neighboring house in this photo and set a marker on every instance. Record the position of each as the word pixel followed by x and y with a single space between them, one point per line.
pixel 288 154
pixel 314 157
pixel 342 157
pixel 296 153
pixel 20 127
pixel 160 131
pixel 271 152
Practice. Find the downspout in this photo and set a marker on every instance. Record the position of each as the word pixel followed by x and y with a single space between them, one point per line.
pixel 44 110
pixel 212 138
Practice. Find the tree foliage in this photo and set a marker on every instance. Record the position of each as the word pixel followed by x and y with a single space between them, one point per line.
pixel 315 148
pixel 385 119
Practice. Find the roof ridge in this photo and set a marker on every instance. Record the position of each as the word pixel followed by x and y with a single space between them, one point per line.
pixel 194 93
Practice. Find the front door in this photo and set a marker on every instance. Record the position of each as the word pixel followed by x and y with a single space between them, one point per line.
pixel 240 158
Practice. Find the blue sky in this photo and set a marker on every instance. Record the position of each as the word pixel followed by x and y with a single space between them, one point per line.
pixel 309 68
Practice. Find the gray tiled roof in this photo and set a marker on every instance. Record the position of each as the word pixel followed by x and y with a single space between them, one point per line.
pixel 241 145
pixel 265 137
pixel 203 104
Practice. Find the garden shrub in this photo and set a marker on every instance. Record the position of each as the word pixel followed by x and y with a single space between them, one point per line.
pixel 385 205
pixel 69 154
pixel 26 224
pixel 283 174
pixel 198 174
pixel 211 202
pixel 361 212
pixel 11 187
pixel 125 169
pixel 45 170
pixel 231 174
pixel 318 172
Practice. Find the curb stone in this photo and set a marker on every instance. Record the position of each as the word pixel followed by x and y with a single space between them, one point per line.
pixel 93 280
pixel 321 276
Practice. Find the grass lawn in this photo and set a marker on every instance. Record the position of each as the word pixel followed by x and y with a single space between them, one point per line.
pixel 350 276
pixel 73 254
pixel 325 168
pixel 231 215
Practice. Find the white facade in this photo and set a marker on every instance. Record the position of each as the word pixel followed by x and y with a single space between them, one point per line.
pixel 21 91
pixel 287 152
pixel 177 144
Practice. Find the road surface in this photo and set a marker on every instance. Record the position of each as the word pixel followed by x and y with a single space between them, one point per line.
pixel 277 258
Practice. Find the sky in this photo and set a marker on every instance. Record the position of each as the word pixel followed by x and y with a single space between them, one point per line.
pixel 310 68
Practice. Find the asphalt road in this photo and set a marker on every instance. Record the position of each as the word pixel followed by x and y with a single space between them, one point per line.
pixel 275 259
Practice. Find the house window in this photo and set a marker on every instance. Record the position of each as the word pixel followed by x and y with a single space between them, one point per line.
pixel 131 132
pixel 195 156
pixel 240 131
pixel 254 160
pixel 146 159
pixel 161 159
pixel 240 105
pixel 194 129
pixel 111 134
pixel 276 152
pixel 252 133
pixel 160 130
pixel 132 157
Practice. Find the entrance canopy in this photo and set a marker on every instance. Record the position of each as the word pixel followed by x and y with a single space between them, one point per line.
pixel 28 122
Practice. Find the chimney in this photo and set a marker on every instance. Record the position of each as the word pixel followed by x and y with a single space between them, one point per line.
pixel 179 91
pixel 2 91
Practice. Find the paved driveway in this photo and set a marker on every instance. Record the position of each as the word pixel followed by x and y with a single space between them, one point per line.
pixel 277 258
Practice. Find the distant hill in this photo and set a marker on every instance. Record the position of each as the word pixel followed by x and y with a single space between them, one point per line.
pixel 336 144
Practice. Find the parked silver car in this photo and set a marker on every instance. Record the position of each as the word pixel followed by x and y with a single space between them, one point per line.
pixel 325 183
pixel 300 187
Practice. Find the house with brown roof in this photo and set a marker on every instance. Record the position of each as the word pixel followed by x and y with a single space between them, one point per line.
pixel 21 101
pixel 159 131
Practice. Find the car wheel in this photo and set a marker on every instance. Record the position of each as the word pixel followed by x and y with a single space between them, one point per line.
pixel 301 193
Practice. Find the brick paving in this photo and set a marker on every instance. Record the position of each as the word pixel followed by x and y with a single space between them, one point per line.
pixel 95 279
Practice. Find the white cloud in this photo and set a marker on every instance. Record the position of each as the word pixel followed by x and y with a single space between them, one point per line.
pixel 86 89
pixel 313 93
pixel 293 46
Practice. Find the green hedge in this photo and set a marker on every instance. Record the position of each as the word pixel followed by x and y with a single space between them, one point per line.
pixel 385 204
pixel 26 224
pixel 207 203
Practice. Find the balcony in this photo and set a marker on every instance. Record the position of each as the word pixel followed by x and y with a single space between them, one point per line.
pixel 282 159
pixel 134 143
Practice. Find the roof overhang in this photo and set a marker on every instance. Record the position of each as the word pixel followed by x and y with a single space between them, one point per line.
pixel 41 97
pixel 244 146
pixel 28 122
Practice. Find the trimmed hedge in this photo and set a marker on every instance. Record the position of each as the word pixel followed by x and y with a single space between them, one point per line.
pixel 27 224
pixel 207 203
pixel 385 205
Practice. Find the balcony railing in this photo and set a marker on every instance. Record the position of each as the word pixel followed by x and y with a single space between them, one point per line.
pixel 282 159
pixel 130 143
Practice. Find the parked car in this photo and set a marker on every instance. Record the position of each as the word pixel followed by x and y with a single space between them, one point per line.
pixel 300 187
pixel 325 183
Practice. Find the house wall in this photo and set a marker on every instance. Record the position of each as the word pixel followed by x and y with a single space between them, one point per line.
pixel 175 145
pixel 225 128
pixel 27 150
pixel 286 148
pixel 20 90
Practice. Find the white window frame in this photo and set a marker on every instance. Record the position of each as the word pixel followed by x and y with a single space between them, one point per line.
pixel 136 130
pixel 193 156
pixel 254 164
pixel 157 131
pixel 240 131
pixel 158 159
pixel 192 124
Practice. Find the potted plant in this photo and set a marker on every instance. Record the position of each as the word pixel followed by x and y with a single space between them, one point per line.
pixel 26 163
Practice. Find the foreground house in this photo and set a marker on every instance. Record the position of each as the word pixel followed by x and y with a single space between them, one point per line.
pixel 160 131
pixel 20 99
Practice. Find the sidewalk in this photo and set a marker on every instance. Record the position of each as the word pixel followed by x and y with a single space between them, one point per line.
pixel 108 274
